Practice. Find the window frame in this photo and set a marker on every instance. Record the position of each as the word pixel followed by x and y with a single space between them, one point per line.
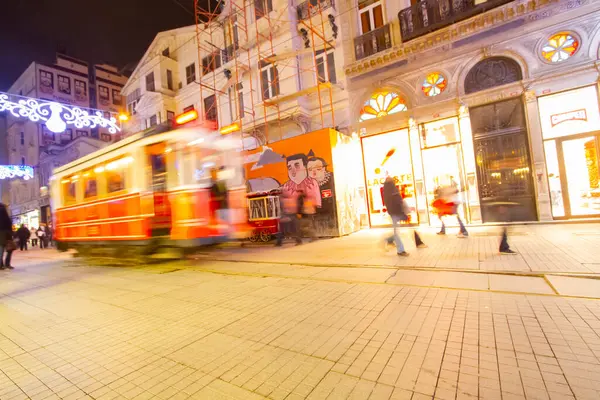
pixel 46 74
pixel 64 79
pixel 117 99
pixel 329 65
pixel 78 83
pixel 190 73
pixel 273 87
pixel 369 9
pixel 150 82
pixel 100 90
pixel 259 11
pixel 235 93
pixel 84 180
pixel 170 80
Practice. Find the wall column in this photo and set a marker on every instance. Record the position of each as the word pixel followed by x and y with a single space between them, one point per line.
pixel 468 150
pixel 536 143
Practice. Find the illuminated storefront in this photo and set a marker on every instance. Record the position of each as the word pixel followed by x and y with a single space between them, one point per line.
pixel 570 123
pixel 420 157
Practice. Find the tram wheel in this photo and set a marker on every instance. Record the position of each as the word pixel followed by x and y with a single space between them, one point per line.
pixel 255 236
pixel 265 236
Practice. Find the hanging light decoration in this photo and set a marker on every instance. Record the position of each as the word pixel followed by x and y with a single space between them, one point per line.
pixel 16 171
pixel 56 116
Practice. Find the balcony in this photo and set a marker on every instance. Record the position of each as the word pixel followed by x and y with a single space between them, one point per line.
pixel 311 7
pixel 430 15
pixel 373 42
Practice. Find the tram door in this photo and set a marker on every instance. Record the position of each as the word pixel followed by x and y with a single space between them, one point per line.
pixel 157 169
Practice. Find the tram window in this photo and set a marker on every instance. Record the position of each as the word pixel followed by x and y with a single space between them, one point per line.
pixel 90 185
pixel 69 188
pixel 115 180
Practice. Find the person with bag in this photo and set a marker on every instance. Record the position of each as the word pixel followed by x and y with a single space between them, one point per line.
pixel 7 244
pixel 396 208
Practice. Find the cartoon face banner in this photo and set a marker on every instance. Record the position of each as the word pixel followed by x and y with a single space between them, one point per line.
pixel 301 164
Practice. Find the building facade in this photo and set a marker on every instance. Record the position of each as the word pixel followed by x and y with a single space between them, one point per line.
pixel 264 71
pixel 498 98
pixel 68 81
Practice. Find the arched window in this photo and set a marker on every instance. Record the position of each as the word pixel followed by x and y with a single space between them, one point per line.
pixel 492 72
pixel 381 104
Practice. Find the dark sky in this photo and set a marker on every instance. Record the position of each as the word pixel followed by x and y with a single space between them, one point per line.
pixel 112 31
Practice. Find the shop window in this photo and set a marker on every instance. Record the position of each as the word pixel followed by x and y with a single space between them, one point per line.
pixel 440 133
pixel 384 154
pixel 90 185
pixel 434 84
pixel 560 47
pixel 69 189
pixel 492 72
pixel 381 104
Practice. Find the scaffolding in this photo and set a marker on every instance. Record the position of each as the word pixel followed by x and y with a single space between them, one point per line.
pixel 265 50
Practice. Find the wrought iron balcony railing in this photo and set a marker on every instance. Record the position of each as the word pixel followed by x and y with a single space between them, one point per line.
pixel 311 7
pixel 373 42
pixel 430 15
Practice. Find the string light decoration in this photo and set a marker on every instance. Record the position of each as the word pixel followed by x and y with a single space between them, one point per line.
pixel 56 116
pixel 16 171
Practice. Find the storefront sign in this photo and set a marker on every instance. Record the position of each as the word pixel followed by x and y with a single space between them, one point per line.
pixel 326 193
pixel 569 113
pixel 577 115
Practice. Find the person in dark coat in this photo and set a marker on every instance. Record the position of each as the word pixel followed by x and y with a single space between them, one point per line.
pixel 395 207
pixel 6 238
pixel 23 235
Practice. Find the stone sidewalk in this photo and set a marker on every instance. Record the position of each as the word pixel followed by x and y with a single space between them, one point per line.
pixel 553 248
pixel 72 331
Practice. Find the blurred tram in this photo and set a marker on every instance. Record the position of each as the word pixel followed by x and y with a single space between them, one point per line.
pixel 150 191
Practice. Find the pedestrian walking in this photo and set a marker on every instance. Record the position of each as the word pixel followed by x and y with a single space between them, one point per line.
pixel 41 235
pixel 288 223
pixel 504 211
pixel 34 238
pixel 23 234
pixel 308 211
pixel 446 203
pixel 7 244
pixel 395 205
pixel 49 234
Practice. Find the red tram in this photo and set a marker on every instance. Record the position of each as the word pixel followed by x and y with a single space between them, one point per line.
pixel 148 191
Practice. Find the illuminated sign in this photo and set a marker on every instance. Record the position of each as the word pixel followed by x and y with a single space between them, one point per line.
pixel 16 171
pixel 56 116
pixel 186 117
pixel 577 115
pixel 230 128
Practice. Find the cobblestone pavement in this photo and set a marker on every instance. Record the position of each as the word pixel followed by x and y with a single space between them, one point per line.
pixel 173 332
pixel 558 248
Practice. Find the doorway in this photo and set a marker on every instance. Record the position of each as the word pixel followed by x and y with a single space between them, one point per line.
pixel 448 172
pixel 573 174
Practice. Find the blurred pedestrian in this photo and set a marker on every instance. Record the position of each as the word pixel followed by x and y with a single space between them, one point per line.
pixel 504 212
pixel 49 235
pixel 308 211
pixel 41 235
pixel 33 235
pixel 446 203
pixel 23 234
pixel 396 209
pixel 7 245
pixel 288 223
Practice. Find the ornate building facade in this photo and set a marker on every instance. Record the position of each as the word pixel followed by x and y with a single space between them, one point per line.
pixel 498 98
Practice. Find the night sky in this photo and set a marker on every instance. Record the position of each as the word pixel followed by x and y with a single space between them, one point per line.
pixel 116 32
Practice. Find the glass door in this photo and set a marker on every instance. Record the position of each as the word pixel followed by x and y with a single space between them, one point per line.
pixel 580 161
